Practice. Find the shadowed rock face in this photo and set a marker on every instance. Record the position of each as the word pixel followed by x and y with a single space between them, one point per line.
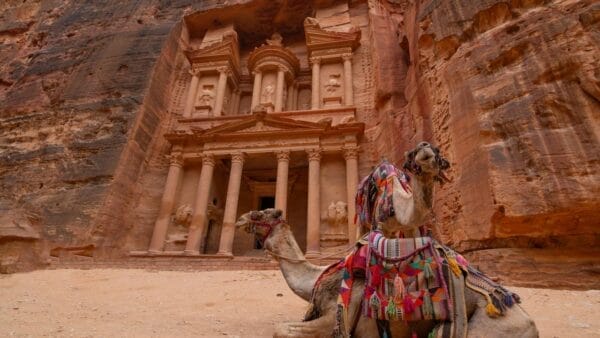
pixel 509 90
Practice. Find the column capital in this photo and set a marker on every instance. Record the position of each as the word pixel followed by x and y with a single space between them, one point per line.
pixel 315 60
pixel 224 69
pixel 314 154
pixel 283 155
pixel 281 68
pixel 257 72
pixel 176 159
pixel 350 153
pixel 237 157
pixel 347 56
pixel 208 160
pixel 193 72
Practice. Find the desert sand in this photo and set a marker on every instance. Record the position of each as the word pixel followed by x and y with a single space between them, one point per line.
pixel 139 303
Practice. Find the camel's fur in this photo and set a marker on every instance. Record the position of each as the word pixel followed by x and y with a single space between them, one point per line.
pixel 301 276
pixel 411 210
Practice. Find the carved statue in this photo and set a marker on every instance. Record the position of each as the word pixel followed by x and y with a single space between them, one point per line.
pixel 337 214
pixel 206 97
pixel 267 94
pixel 275 40
pixel 333 84
pixel 183 215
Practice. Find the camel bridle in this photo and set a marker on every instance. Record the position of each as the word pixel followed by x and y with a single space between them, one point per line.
pixel 269 226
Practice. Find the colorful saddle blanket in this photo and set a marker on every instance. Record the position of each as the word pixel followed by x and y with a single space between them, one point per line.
pixel 408 279
pixel 404 279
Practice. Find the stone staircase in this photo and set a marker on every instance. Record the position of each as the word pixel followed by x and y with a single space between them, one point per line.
pixel 173 262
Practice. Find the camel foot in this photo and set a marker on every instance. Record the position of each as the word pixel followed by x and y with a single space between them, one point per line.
pixel 320 327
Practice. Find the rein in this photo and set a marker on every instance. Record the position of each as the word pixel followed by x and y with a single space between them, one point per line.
pixel 270 227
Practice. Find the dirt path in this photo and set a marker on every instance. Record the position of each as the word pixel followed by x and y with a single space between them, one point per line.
pixel 138 303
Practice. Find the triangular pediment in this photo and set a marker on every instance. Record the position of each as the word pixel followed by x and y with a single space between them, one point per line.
pixel 261 123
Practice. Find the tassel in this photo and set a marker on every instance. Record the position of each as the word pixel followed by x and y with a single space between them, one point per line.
pixel 392 313
pixel 453 265
pixel 429 275
pixel 408 305
pixel 399 288
pixel 374 301
pixel 427 306
pixel 491 310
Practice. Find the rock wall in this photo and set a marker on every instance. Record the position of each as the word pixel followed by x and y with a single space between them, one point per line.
pixel 510 91
pixel 82 103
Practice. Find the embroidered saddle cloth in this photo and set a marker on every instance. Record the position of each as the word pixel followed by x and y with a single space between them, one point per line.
pixel 404 280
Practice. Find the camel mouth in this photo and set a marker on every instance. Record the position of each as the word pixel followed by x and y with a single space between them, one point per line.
pixel 426 159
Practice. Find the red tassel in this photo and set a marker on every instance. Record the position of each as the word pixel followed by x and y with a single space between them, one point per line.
pixel 408 305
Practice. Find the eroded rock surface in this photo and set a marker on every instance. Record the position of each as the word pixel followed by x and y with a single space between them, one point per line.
pixel 510 91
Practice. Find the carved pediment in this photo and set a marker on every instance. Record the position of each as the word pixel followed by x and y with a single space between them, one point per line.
pixel 262 123
pixel 225 50
pixel 318 38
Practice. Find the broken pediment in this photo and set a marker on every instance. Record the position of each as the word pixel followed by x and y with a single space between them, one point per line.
pixel 318 38
pixel 227 49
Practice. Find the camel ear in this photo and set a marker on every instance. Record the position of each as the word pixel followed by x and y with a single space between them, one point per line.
pixel 277 213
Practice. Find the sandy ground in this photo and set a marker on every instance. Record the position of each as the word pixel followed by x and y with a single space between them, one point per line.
pixel 138 303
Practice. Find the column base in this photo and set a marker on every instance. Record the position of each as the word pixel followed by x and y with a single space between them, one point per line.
pixel 191 253
pixel 312 254
pixel 225 254
pixel 154 252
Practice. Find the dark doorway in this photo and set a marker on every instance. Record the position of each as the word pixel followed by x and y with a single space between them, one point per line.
pixel 264 202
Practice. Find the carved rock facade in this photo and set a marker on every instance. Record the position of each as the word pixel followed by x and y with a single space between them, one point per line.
pixel 509 90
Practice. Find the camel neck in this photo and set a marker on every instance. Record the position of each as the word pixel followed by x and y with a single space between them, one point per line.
pixel 423 191
pixel 299 274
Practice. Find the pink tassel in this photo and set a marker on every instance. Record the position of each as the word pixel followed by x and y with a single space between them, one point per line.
pixel 408 305
pixel 399 288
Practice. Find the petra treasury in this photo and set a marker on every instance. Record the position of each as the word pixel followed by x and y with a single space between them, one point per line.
pixel 256 152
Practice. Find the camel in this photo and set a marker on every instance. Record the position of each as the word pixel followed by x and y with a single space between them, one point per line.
pixel 410 207
pixel 301 276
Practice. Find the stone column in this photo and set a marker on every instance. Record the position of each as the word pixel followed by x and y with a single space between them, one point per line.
pixel 316 87
pixel 235 105
pixel 279 90
pixel 256 89
pixel 295 97
pixel 198 222
pixel 290 98
pixel 348 92
pixel 351 156
pixel 191 95
pixel 281 189
pixel 231 205
pixel 313 227
pixel 166 205
pixel 221 86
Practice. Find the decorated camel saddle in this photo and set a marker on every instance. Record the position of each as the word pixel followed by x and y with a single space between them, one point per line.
pixel 409 276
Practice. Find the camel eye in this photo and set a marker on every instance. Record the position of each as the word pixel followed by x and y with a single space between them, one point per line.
pixel 423 144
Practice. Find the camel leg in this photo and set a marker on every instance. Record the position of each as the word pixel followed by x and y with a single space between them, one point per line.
pixel 514 323
pixel 320 327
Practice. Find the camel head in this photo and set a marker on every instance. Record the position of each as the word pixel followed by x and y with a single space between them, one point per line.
pixel 425 160
pixel 260 223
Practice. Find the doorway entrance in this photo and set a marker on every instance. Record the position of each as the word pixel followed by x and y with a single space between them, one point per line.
pixel 264 202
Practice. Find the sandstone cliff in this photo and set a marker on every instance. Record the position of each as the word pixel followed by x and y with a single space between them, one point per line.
pixel 510 90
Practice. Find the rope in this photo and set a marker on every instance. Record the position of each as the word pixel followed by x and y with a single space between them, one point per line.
pixel 300 260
